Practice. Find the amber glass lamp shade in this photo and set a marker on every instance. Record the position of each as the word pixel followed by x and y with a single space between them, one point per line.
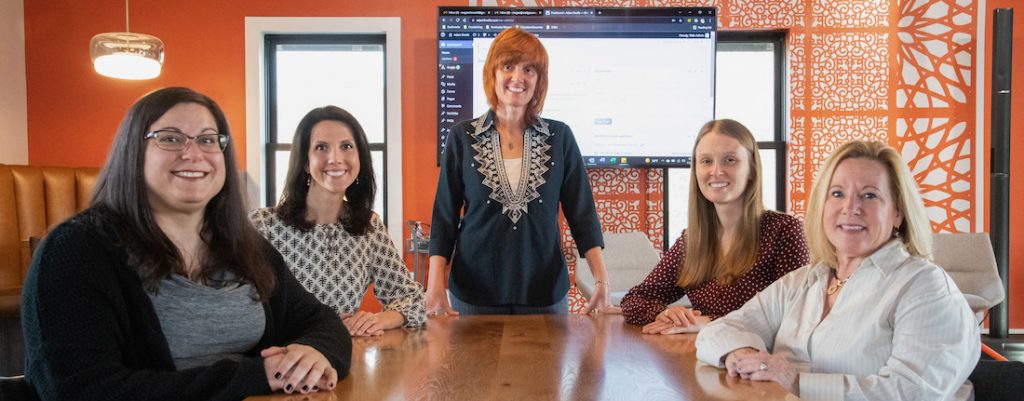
pixel 127 55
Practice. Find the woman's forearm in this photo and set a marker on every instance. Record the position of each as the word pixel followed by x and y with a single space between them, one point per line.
pixel 595 260
pixel 390 319
pixel 438 268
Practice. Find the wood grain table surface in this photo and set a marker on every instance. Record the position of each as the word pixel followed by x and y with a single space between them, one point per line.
pixel 533 357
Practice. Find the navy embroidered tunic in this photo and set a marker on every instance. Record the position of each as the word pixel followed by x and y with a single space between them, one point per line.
pixel 505 249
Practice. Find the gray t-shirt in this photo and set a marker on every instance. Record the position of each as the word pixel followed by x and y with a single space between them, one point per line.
pixel 204 324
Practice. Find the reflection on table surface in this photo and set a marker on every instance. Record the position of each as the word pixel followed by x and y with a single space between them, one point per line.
pixel 534 357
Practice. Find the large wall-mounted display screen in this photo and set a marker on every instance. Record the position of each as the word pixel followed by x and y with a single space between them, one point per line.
pixel 634 84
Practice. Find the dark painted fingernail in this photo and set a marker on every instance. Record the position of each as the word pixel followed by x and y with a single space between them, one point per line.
pixel 277 375
pixel 315 388
pixel 305 387
pixel 288 387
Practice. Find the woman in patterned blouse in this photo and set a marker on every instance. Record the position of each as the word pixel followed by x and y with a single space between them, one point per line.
pixel 732 249
pixel 503 178
pixel 325 227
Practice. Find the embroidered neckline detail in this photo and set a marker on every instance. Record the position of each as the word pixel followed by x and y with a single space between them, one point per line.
pixel 514 201
pixel 484 123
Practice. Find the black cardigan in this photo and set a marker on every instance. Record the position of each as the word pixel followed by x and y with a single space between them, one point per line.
pixel 91 332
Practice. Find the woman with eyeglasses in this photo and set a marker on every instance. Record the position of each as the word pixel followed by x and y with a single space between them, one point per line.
pixel 162 289
pixel 327 231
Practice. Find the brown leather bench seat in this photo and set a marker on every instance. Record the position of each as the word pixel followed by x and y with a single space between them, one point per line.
pixel 32 201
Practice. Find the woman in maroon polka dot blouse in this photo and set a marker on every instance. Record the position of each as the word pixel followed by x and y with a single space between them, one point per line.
pixel 739 248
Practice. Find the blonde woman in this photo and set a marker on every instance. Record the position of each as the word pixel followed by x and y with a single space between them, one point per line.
pixel 871 318
pixel 732 249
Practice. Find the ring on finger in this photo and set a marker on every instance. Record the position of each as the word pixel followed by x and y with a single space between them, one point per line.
pixel 763 367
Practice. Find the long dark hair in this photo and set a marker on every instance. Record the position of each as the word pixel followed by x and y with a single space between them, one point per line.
pixel 359 195
pixel 122 202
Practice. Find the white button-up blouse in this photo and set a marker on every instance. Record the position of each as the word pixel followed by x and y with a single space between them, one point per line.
pixel 899 330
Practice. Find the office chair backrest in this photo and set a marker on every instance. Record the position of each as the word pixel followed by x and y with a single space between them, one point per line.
pixel 628 258
pixel 969 260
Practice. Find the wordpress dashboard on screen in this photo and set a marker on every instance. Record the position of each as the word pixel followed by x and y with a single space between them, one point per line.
pixel 634 84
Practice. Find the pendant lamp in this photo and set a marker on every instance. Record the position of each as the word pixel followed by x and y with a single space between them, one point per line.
pixel 127 55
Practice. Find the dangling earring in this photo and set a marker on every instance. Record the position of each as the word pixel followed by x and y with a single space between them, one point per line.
pixel 896 232
pixel 357 181
pixel 308 180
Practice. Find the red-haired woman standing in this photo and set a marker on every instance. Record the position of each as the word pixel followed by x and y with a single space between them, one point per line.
pixel 503 177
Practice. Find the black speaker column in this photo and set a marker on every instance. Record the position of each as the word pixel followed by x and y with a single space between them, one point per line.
pixel 1002 33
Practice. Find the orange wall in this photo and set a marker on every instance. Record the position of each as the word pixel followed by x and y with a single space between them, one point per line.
pixel 1016 294
pixel 73 112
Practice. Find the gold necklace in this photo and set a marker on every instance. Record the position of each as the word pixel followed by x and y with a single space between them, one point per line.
pixel 832 289
pixel 509 141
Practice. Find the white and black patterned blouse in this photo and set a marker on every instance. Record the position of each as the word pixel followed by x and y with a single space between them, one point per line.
pixel 338 267
pixel 503 242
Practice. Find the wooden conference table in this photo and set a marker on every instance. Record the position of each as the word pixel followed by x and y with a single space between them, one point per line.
pixel 534 357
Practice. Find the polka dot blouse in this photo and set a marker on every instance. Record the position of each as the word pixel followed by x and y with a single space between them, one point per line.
pixel 782 248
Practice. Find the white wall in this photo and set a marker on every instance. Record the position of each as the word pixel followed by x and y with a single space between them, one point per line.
pixel 13 110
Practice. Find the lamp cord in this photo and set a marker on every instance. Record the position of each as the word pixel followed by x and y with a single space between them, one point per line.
pixel 126 26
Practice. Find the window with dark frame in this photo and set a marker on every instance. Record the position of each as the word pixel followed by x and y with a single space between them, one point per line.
pixel 348 71
pixel 755 98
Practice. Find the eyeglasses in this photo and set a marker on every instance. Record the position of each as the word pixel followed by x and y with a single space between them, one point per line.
pixel 174 140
